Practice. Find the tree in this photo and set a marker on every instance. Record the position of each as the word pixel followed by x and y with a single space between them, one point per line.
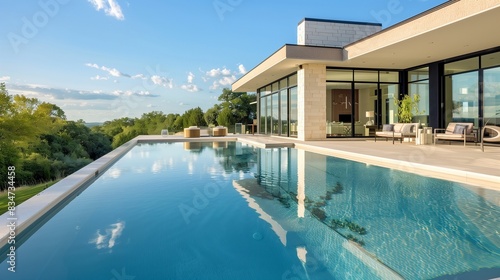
pixel 193 117
pixel 225 118
pixel 212 114
pixel 239 103
pixel 169 122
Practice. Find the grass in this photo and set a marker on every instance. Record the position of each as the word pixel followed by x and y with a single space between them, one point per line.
pixel 22 194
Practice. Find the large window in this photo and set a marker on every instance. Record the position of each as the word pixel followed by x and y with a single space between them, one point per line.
pixel 359 101
pixel 278 107
pixel 284 112
pixel 472 90
pixel 418 84
pixel 491 96
pixel 463 96
pixel 293 112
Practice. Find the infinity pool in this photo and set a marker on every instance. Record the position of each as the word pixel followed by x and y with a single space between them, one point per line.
pixel 226 210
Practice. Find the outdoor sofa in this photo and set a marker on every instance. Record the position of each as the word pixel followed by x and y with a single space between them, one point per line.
pixel 456 131
pixel 398 131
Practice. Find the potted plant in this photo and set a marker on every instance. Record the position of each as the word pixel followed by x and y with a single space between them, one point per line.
pixel 407 108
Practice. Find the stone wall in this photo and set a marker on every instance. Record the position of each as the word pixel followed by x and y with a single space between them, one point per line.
pixel 329 33
pixel 311 91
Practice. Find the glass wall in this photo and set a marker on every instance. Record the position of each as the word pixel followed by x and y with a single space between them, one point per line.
pixel 491 96
pixel 359 101
pixel 491 88
pixel 278 107
pixel 418 84
pixel 389 108
pixel 275 113
pixel 472 90
pixel 462 93
pixel 269 114
pixel 284 112
pixel 293 111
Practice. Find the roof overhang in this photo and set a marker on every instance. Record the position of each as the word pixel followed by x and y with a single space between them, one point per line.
pixel 283 62
pixel 455 28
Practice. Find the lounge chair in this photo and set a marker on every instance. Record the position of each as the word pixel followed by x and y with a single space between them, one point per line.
pixel 398 131
pixel 494 135
pixel 456 132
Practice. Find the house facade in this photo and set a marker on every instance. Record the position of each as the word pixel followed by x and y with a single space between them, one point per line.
pixel 343 79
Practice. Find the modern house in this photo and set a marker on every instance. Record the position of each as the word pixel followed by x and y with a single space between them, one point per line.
pixel 341 79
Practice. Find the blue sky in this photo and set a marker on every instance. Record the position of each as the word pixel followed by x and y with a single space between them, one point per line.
pixel 104 59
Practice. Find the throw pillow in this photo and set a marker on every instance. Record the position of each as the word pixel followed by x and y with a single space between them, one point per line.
pixel 407 129
pixel 388 127
pixel 459 129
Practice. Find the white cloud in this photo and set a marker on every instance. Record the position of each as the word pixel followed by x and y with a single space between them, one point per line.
pixel 98 4
pixel 162 81
pixel 115 10
pixel 111 8
pixel 130 93
pixel 111 71
pixel 139 76
pixel 93 65
pixel 225 81
pixel 114 72
pixel 97 78
pixel 190 87
pixel 215 85
pixel 73 94
pixel 190 77
pixel 4 79
pixel 214 73
pixel 242 69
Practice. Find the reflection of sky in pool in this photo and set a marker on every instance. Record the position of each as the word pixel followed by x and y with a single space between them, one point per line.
pixel 230 211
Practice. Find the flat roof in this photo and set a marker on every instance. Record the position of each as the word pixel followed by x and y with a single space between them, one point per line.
pixel 284 61
pixel 340 21
pixel 455 28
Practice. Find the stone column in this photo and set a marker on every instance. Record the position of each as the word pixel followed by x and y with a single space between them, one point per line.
pixel 311 91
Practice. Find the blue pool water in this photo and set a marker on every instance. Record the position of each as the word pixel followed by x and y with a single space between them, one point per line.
pixel 231 211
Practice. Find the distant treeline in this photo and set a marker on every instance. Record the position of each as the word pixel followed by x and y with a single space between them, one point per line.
pixel 42 145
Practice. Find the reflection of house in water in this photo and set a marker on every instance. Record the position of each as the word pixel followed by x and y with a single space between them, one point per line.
pixel 379 209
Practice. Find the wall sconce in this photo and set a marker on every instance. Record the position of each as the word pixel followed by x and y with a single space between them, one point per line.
pixel 463 90
pixel 370 115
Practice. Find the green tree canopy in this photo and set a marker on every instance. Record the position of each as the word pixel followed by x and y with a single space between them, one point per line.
pixel 240 105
